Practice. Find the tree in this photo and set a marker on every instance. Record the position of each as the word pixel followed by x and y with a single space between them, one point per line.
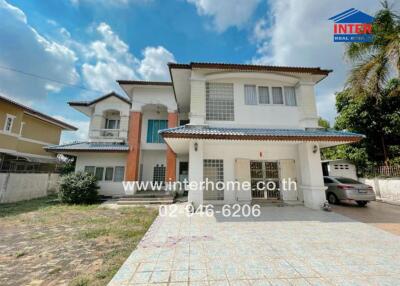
pixel 377 119
pixel 375 64
pixel 323 123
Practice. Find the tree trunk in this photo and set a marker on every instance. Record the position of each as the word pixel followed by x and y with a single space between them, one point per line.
pixel 385 156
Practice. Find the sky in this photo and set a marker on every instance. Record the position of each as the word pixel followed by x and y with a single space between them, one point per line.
pixel 52 52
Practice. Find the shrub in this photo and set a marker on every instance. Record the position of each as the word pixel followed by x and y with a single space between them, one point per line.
pixel 78 188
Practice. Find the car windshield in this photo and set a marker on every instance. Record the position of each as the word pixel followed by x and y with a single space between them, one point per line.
pixel 347 181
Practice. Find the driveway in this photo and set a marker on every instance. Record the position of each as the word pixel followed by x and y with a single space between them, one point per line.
pixel 284 246
pixel 378 214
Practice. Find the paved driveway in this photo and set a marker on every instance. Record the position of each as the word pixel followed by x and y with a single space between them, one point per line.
pixel 284 246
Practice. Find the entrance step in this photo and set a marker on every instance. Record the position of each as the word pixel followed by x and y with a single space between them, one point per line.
pixel 266 202
pixel 146 198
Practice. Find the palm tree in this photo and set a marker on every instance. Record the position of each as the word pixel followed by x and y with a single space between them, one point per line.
pixel 377 62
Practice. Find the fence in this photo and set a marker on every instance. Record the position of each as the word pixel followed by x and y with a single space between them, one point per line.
pixel 384 171
pixel 16 187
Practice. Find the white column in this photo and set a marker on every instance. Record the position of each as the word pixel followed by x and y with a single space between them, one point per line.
pixel 195 172
pixel 312 182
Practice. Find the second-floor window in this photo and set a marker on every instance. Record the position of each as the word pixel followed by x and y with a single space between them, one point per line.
pixel 112 124
pixel 270 95
pixel 153 126
pixel 219 101
pixel 8 124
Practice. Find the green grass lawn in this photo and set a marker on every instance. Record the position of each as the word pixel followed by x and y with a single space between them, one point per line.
pixel 43 240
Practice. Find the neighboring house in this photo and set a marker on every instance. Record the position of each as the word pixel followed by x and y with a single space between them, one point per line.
pixel 221 122
pixel 23 134
pixel 339 168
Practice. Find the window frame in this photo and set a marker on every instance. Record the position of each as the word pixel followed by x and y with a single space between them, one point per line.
pixel 102 173
pixel 12 118
pixel 255 92
pixel 91 173
pixel 150 133
pixel 295 96
pixel 272 95
pixel 269 94
pixel 115 179
pixel 112 174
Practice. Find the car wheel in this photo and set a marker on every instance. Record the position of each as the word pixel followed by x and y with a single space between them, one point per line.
pixel 332 199
pixel 362 203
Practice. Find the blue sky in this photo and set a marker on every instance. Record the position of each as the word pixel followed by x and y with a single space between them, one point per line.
pixel 92 43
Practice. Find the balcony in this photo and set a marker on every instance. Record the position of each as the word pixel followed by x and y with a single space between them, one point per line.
pixel 108 135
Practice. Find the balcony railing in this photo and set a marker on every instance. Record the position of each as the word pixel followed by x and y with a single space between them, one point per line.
pixel 108 133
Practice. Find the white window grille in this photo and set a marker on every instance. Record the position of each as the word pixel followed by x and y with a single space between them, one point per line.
pixel 219 101
pixel 290 96
pixel 213 171
pixel 250 95
pixel 263 95
pixel 277 96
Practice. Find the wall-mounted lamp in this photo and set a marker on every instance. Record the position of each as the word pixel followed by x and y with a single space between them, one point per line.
pixel 196 146
pixel 315 149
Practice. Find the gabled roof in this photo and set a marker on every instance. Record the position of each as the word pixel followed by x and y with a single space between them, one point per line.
pixel 245 67
pixel 88 147
pixel 352 16
pixel 39 115
pixel 88 103
pixel 142 82
pixel 197 132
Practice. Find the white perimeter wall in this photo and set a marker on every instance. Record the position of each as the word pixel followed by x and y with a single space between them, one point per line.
pixel 107 188
pixel 387 189
pixel 18 187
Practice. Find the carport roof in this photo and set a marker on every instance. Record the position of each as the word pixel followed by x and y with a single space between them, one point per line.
pixel 204 132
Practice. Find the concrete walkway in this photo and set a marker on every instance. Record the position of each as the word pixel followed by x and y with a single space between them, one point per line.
pixel 284 246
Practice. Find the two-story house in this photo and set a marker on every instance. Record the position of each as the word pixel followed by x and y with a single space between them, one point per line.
pixel 220 122
pixel 23 134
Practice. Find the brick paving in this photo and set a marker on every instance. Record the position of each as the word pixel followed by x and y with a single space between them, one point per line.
pixel 284 246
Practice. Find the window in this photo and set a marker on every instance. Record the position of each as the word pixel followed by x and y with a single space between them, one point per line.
pixel 277 97
pixel 219 101
pixel 263 94
pixel 159 174
pixel 213 171
pixel 112 123
pixel 9 123
pixel 99 173
pixel 250 95
pixel 119 174
pixel 347 181
pixel 290 96
pixel 90 169
pixel 109 174
pixel 152 130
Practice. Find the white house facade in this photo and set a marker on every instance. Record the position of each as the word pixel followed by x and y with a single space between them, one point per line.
pixel 215 122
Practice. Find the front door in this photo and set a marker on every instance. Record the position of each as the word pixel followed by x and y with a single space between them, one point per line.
pixel 267 172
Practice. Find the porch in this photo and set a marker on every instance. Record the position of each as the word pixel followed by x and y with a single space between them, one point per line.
pixel 244 157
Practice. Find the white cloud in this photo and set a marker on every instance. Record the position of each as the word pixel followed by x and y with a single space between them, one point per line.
pixel 226 13
pixel 69 136
pixel 153 66
pixel 109 59
pixel 23 48
pixel 301 35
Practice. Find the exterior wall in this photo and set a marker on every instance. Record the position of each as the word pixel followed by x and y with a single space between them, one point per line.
pixel 164 95
pixel 149 114
pixel 97 120
pixel 229 152
pixel 150 158
pixel 40 130
pixel 348 173
pixel 386 189
pixel 99 159
pixel 34 135
pixel 261 115
pixel 19 187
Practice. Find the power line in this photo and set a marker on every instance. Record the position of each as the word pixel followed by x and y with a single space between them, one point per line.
pixel 50 79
